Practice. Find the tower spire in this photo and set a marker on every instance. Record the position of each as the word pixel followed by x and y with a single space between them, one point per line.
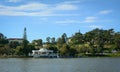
pixel 25 35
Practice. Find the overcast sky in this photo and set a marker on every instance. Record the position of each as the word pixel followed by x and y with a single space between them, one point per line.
pixel 52 18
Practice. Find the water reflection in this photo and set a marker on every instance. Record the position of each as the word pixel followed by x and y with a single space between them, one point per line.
pixel 60 65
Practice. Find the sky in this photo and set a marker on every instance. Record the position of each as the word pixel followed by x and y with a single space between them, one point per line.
pixel 52 18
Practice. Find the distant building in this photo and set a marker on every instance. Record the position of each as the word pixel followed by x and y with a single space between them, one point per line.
pixel 19 40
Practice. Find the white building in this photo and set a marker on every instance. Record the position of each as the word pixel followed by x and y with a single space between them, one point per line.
pixel 43 52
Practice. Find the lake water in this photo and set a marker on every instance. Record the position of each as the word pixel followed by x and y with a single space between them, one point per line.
pixel 60 65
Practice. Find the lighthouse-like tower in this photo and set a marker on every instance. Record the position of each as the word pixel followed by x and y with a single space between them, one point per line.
pixel 25 43
pixel 25 34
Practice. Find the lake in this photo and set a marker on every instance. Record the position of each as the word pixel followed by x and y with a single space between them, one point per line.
pixel 97 64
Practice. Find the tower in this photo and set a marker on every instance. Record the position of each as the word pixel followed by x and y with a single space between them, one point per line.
pixel 25 43
pixel 25 35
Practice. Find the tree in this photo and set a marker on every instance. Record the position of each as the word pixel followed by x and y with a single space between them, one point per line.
pixel 48 39
pixel 5 50
pixel 2 36
pixel 53 40
pixel 96 40
pixel 19 50
pixel 72 52
pixel 64 50
pixel 30 48
pixel 52 47
pixel 77 38
pixel 117 41
pixel 3 39
pixel 25 48
pixel 62 39
pixel 38 42
pixel 14 44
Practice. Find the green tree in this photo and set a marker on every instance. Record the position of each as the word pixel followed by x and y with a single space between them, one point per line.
pixel 38 42
pixel 52 47
pixel 77 38
pixel 62 39
pixel 64 50
pixel 30 48
pixel 72 52
pixel 117 41
pixel 19 50
pixel 48 39
pixel 25 48
pixel 14 44
pixel 3 39
pixel 53 40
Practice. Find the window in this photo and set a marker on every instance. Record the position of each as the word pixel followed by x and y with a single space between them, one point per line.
pixel 43 52
pixel 36 52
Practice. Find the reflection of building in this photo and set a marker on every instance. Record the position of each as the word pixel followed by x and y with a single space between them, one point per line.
pixel 43 52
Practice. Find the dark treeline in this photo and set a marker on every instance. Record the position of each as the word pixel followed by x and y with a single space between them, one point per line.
pixel 97 41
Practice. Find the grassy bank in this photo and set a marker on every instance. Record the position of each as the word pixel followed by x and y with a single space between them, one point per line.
pixel 114 55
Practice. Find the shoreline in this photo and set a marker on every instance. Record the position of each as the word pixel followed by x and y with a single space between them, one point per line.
pixel 83 56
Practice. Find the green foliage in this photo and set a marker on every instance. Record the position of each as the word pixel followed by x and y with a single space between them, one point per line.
pixel 94 42
pixel 52 47
pixel 19 50
pixel 14 44
pixel 38 42
pixel 25 49
pixel 53 40
pixel 117 41
pixel 64 50
pixel 3 41
pixel 48 39
pixel 62 39
pixel 77 38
